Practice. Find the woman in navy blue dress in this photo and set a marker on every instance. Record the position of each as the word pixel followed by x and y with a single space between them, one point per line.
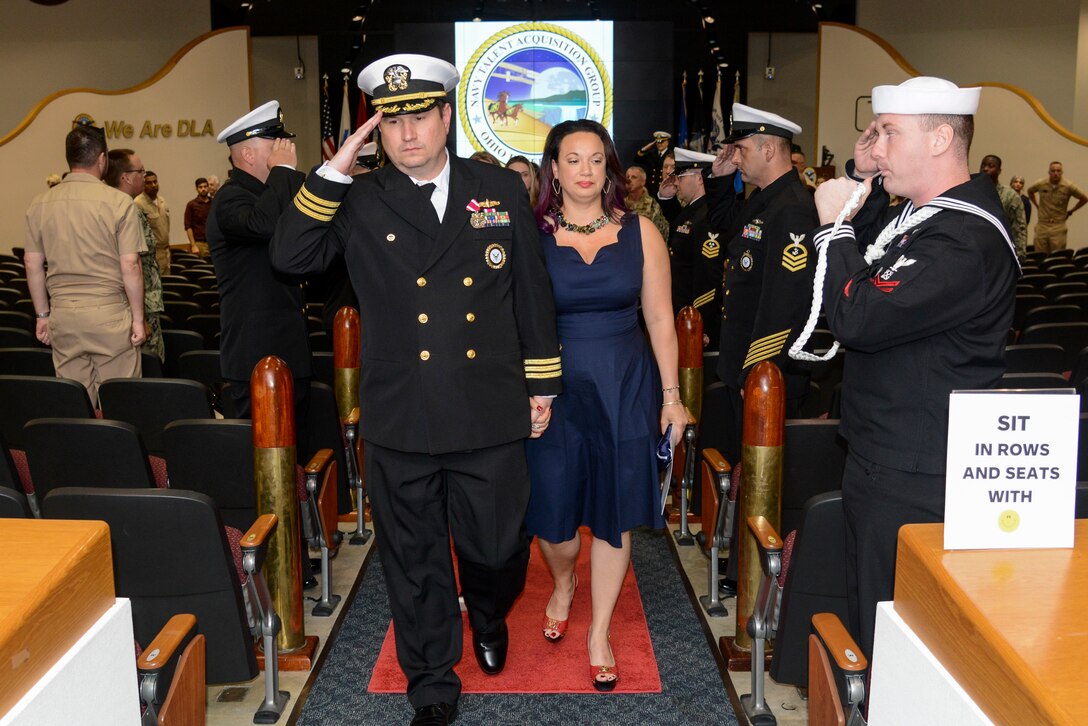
pixel 596 465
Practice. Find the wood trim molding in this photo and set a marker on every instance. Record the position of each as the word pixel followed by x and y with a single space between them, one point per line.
pixel 896 56
pixel 169 66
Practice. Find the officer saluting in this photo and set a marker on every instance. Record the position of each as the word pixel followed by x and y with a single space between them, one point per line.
pixel 768 277
pixel 459 355
pixel 695 251
pixel 260 309
pixel 651 156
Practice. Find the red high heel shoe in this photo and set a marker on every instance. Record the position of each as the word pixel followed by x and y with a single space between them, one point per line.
pixel 604 677
pixel 554 629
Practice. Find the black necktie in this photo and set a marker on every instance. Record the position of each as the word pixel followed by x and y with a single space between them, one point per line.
pixel 426 190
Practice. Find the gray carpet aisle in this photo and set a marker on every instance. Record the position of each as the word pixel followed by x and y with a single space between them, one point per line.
pixel 692 689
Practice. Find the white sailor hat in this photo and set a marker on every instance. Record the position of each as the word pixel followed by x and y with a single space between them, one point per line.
pixel 659 135
pixel 265 121
pixel 687 160
pixel 926 95
pixel 368 155
pixel 748 121
pixel 407 83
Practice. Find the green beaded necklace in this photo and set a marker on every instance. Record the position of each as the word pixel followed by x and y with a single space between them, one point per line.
pixel 581 228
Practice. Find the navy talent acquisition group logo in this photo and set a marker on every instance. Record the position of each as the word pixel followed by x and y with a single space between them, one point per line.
pixel 524 80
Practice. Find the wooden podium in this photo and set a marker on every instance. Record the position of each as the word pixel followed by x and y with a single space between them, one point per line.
pixel 56 583
pixel 1007 625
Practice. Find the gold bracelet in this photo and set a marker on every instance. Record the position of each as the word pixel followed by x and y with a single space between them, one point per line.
pixel 670 388
pixel 673 403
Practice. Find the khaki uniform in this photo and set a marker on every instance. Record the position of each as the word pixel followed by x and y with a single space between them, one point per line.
pixel 82 227
pixel 1050 230
pixel 158 216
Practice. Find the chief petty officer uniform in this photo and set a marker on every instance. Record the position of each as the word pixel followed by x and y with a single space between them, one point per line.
pixel 458 331
pixel 261 310
pixel 770 263
pixel 696 254
pixel 929 316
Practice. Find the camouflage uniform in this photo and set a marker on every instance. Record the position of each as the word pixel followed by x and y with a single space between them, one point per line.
pixel 648 207
pixel 1018 223
pixel 152 291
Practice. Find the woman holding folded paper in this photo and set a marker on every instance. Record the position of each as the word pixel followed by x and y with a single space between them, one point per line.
pixel 597 465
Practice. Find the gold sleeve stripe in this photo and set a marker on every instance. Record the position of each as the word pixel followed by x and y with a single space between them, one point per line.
pixel 766 347
pixel 316 201
pixel 301 205
pixel 541 361
pixel 703 299
pixel 543 369
pixel 556 374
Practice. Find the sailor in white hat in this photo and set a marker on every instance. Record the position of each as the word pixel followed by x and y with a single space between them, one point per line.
pixel 923 308
pixel 445 258
pixel 769 262
pixel 259 310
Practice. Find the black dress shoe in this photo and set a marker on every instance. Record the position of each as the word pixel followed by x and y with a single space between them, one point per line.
pixel 434 714
pixel 490 649
pixel 309 582
pixel 727 588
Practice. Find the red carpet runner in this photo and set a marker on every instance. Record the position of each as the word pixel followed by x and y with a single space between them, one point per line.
pixel 534 665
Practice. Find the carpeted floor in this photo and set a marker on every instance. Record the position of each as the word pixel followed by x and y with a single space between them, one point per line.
pixel 692 690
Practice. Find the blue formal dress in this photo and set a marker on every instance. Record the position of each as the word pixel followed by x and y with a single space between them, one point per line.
pixel 596 464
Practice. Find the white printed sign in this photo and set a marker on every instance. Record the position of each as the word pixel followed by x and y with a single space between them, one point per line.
pixel 1012 469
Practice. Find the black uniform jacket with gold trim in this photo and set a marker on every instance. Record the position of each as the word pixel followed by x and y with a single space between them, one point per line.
pixel 260 310
pixel 768 276
pixel 697 256
pixel 929 317
pixel 457 319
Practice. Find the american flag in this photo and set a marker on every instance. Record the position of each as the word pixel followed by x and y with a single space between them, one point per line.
pixel 328 138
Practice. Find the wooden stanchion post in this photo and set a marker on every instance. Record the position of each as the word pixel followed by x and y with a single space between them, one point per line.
pixel 273 394
pixel 761 481
pixel 346 363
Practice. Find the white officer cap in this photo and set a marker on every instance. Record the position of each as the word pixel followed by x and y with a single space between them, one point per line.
pixel 368 155
pixel 926 95
pixel 748 121
pixel 407 83
pixel 265 121
pixel 686 160
pixel 658 135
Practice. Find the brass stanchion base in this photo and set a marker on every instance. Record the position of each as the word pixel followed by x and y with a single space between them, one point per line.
pixel 738 660
pixel 300 659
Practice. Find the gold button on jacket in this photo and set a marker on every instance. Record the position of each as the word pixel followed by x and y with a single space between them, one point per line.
pixel 424 355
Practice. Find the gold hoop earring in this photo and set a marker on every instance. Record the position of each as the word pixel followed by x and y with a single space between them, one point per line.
pixel 607 187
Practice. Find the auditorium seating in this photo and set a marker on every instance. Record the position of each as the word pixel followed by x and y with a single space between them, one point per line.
pixel 813 460
pixel 719 496
pixel 30 397
pixel 172 675
pixel 322 428
pixel 1033 381
pixel 77 452
pixel 838 672
pixel 10 318
pixel 1039 358
pixel 1072 337
pixel 177 343
pixel 203 366
pixel 171 555
pixel 321 487
pixel 16 338
pixel 215 457
pixel 811 579
pixel 27 362
pixel 13 504
pixel 151 403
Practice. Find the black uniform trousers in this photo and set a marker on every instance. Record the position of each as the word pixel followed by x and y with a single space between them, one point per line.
pixel 419 501
pixel 878 501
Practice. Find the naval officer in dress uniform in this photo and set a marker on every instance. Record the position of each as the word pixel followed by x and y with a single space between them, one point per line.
pixel 695 251
pixel 260 310
pixel 770 265
pixel 459 358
